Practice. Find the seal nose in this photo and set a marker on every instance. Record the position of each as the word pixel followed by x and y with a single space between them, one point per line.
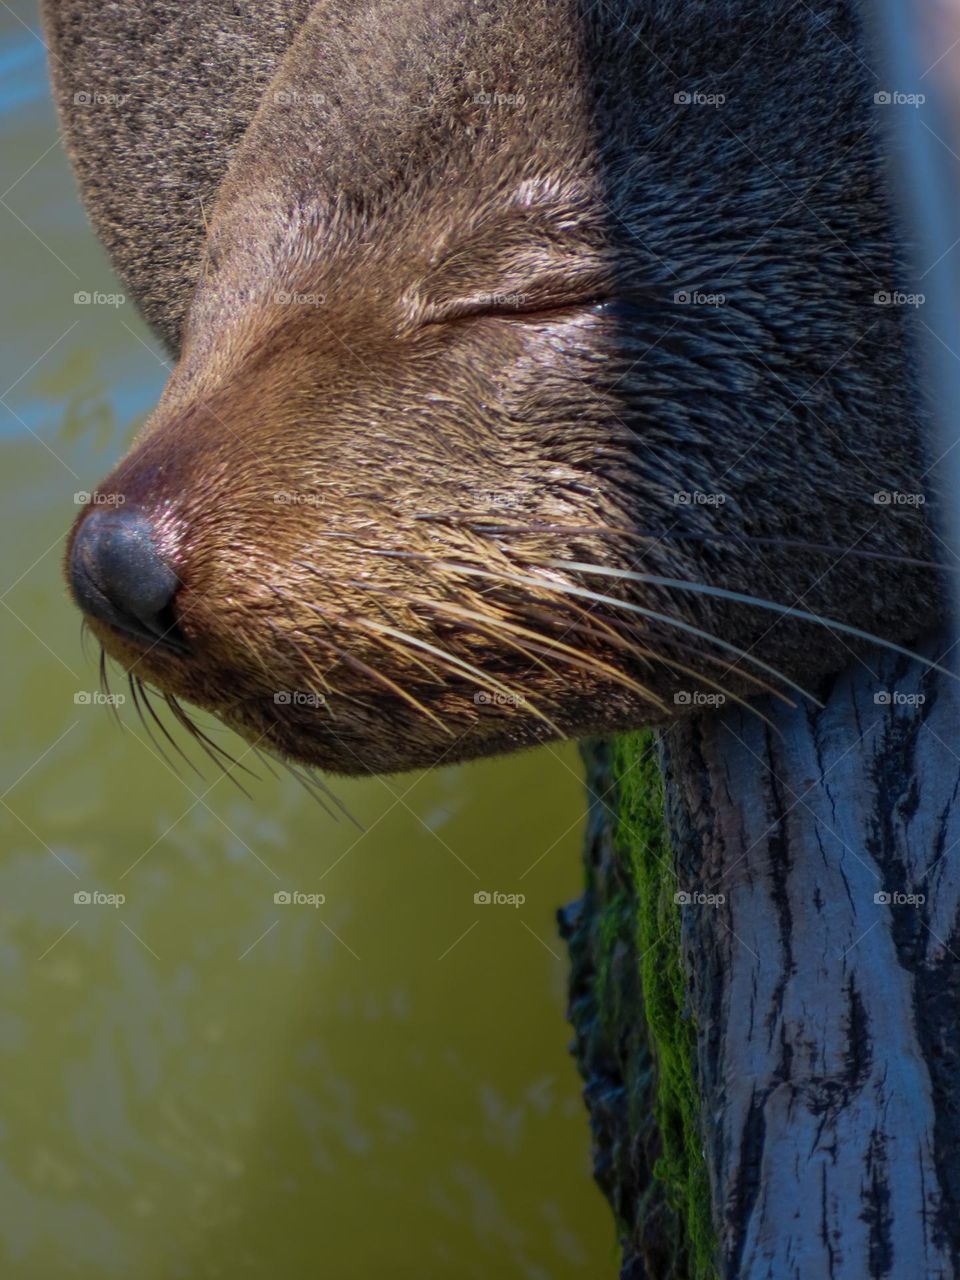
pixel 118 576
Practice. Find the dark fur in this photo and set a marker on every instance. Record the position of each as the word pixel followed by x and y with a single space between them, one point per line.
pixel 372 175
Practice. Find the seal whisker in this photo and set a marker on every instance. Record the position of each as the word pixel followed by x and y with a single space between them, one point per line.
pixel 387 683
pixel 337 692
pixel 212 749
pixel 136 689
pixel 699 675
pixel 629 607
pixel 105 687
pixel 474 674
pixel 614 629
pixel 104 679
pixel 85 633
pixel 408 656
pixel 627 643
pixel 305 658
pixel 301 781
pixel 315 787
pixel 487 524
pixel 739 597
pixel 590 662
pixel 144 693
pixel 495 626
pixel 359 665
pixel 379 677
pixel 489 621
pixel 673 665
pixel 647 654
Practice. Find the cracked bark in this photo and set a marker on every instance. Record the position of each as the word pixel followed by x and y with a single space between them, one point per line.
pixel 824 988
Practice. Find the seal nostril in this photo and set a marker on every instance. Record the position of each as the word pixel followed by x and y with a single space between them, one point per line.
pixel 118 576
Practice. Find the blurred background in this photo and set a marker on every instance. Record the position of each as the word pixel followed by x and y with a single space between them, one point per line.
pixel 199 1081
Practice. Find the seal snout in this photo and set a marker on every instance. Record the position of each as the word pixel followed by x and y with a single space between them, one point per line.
pixel 118 576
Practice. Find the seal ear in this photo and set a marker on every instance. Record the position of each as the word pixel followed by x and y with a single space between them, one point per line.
pixel 145 180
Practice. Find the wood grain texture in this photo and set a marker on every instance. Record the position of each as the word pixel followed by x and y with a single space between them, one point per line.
pixel 824 979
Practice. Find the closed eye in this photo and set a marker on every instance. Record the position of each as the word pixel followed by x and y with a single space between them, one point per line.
pixel 529 309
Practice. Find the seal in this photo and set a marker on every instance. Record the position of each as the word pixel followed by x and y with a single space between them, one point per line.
pixel 540 369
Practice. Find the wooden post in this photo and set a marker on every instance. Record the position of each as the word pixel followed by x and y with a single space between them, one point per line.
pixel 817 883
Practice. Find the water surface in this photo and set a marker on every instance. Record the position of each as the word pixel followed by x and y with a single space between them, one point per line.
pixel 201 1082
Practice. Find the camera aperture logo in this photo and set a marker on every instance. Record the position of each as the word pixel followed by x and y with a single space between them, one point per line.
pixel 295 898
pixel 697 498
pixel 94 298
pixel 899 899
pixel 293 299
pixel 495 500
pixel 514 300
pixel 894 498
pixel 84 498
pixel 893 698
pixel 286 498
pixel 298 698
pixel 694 898
pixel 893 98
pixel 495 698
pixel 898 298
pixel 94 898
pixel 90 98
pixel 693 98
pixel 698 698
pixel 496 98
pixel 97 698
pixel 486 898
pixel 698 298
pixel 291 98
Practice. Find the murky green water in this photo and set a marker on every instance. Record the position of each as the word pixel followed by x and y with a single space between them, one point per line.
pixel 202 1082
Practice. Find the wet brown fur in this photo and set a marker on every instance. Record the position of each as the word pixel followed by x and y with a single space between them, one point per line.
pixel 483 371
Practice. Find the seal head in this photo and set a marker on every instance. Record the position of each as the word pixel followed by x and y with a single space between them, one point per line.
pixel 525 393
